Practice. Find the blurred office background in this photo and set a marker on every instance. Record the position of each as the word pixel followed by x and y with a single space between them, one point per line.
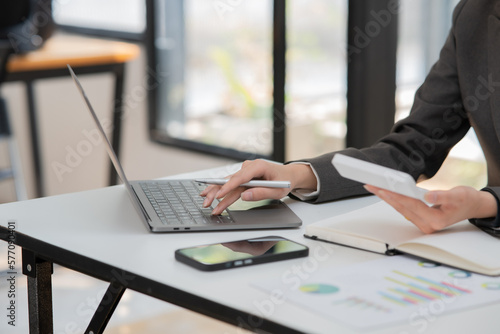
pixel 205 92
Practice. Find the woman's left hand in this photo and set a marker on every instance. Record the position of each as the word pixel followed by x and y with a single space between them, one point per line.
pixel 447 207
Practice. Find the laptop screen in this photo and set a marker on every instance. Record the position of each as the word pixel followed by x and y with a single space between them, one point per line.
pixel 109 147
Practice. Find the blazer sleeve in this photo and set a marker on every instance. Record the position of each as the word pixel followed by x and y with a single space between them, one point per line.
pixel 417 144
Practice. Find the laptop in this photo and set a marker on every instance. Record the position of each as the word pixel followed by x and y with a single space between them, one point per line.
pixel 176 206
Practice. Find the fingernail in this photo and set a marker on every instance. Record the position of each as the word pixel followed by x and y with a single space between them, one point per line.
pixel 218 196
pixel 206 203
pixel 247 196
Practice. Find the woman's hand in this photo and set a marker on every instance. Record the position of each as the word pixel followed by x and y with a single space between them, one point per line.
pixel 448 207
pixel 299 175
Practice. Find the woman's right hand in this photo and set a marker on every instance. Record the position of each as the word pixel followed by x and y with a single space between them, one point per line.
pixel 299 175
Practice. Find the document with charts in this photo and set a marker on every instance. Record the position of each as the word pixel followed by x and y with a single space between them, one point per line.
pixel 387 291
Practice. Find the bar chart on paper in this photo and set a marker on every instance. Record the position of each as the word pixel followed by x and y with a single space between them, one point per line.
pixel 413 290
pixel 388 291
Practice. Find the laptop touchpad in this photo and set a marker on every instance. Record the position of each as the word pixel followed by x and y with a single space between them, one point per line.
pixel 240 205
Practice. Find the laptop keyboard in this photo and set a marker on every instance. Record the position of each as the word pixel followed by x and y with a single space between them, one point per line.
pixel 180 203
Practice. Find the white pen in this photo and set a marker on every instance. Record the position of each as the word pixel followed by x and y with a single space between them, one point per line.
pixel 253 183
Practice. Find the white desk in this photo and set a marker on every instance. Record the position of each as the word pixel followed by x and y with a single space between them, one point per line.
pixel 106 236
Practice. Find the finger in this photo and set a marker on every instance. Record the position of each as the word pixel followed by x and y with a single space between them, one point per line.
pixel 401 201
pixel 234 182
pixel 404 205
pixel 371 188
pixel 210 195
pixel 416 217
pixel 208 189
pixel 250 170
pixel 258 194
pixel 412 209
pixel 229 199
pixel 252 194
pixel 443 197
pixel 432 197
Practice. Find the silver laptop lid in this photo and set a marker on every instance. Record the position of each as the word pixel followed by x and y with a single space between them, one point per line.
pixel 109 148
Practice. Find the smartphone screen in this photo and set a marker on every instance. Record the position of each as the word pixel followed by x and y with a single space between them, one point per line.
pixel 240 253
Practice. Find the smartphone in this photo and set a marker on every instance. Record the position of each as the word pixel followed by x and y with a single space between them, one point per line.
pixel 378 176
pixel 240 253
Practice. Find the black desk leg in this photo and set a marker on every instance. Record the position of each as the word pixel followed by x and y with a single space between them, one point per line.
pixel 35 140
pixel 119 71
pixel 39 274
pixel 106 308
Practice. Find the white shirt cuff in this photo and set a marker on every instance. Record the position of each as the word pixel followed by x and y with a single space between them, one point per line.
pixel 307 194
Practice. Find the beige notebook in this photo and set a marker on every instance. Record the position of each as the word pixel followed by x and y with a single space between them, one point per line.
pixel 379 228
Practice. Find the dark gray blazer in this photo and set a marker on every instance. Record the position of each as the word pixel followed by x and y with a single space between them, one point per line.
pixel 461 90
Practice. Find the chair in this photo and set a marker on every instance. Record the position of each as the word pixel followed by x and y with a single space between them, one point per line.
pixel 24 26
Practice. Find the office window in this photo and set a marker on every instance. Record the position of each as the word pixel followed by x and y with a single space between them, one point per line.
pixel 217 95
pixel 424 26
